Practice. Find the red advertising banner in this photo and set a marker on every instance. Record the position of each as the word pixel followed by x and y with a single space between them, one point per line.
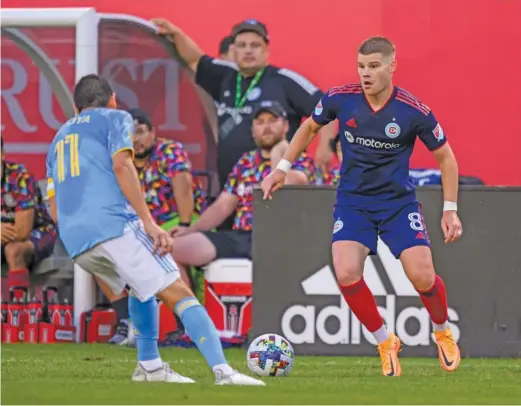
pixel 462 59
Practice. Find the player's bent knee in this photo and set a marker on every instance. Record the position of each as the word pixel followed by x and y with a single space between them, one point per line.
pixel 175 292
pixel 348 261
pixel 347 276
pixel 423 281
pixel 347 272
pixel 419 267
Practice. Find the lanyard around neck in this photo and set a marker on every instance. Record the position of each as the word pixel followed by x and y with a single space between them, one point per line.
pixel 240 101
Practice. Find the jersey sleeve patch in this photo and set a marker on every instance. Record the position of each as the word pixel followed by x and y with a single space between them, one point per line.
pixel 438 132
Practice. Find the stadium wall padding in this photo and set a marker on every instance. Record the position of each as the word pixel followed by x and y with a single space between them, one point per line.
pixel 295 293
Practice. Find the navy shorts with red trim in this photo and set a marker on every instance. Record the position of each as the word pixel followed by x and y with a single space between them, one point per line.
pixel 399 226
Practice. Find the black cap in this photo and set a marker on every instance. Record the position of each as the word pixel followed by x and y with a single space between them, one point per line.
pixel 251 26
pixel 141 117
pixel 225 43
pixel 272 107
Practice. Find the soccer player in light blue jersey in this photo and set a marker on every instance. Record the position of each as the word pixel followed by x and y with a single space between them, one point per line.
pixel 96 199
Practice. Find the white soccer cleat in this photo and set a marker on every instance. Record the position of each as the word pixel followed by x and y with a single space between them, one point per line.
pixel 236 378
pixel 163 374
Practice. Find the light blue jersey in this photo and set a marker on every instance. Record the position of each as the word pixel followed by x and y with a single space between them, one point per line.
pixel 91 207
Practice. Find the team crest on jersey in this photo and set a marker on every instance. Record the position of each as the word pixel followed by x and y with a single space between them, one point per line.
pixel 349 137
pixel 319 109
pixel 254 94
pixel 392 130
pixel 338 226
pixel 438 132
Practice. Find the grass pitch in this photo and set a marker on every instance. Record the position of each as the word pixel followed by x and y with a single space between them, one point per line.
pixel 100 374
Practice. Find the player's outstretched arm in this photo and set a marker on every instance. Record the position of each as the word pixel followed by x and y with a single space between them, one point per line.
pixel 450 222
pixel 127 177
pixel 449 172
pixel 128 181
pixel 302 138
pixel 307 131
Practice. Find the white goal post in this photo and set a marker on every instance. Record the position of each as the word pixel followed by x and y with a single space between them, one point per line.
pixel 84 20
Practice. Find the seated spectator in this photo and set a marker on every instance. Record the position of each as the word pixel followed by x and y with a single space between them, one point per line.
pixel 172 195
pixel 197 245
pixel 28 233
pixel 164 168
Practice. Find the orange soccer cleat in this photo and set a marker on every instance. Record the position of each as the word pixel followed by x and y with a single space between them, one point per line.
pixel 448 351
pixel 388 352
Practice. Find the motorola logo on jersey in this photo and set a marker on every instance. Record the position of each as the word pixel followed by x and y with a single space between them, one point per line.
pixel 349 137
pixel 370 142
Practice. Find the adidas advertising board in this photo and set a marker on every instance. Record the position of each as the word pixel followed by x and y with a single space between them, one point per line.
pixel 398 301
pixel 295 293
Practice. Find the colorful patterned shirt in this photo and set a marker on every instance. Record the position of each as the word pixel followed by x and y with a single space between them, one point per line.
pixel 167 160
pixel 330 178
pixel 21 192
pixel 248 172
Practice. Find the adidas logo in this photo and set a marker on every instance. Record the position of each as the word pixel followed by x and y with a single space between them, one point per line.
pixel 323 282
pixel 403 312
pixel 351 123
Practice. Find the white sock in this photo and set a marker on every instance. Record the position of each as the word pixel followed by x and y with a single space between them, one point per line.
pixel 151 365
pixel 227 369
pixel 440 327
pixel 381 335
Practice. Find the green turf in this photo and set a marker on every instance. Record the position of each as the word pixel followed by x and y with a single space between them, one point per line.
pixel 100 374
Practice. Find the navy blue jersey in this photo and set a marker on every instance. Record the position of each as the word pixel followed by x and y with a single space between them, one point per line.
pixel 377 145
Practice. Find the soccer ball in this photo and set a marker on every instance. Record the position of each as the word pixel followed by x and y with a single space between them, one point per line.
pixel 270 355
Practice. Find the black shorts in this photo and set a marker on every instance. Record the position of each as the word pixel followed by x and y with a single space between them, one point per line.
pixel 231 243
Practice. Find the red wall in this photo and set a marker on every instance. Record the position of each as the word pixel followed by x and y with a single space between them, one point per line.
pixel 462 58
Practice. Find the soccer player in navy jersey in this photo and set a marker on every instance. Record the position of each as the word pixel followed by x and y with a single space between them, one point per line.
pixel 379 123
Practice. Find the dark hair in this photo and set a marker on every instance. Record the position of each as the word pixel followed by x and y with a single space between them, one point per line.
pixel 225 43
pixel 375 45
pixel 92 91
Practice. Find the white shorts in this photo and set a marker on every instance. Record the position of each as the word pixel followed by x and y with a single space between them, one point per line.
pixel 129 260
